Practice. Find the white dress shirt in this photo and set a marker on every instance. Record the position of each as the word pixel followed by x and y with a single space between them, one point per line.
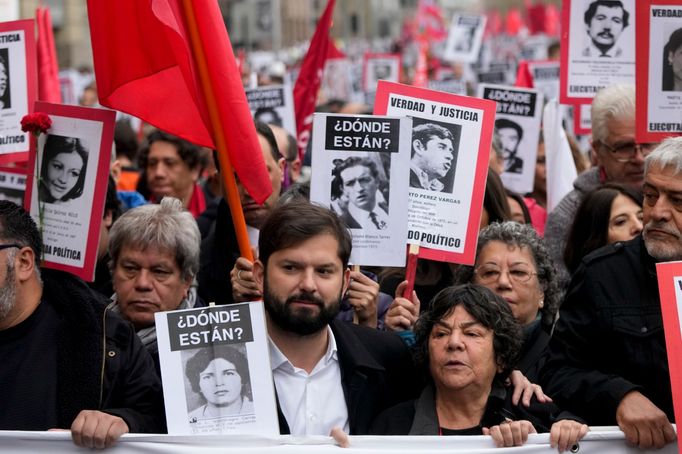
pixel 311 403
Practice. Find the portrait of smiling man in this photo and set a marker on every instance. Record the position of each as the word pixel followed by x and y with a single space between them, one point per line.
pixel 605 20
pixel 434 154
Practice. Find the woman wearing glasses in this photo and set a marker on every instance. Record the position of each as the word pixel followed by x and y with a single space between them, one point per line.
pixel 512 261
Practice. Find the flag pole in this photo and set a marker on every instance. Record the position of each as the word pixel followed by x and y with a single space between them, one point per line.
pixel 230 184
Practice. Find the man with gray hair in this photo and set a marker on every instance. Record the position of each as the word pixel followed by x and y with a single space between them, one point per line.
pixel 154 253
pixel 607 359
pixel 619 159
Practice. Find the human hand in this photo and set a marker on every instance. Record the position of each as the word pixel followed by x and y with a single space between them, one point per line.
pixel 565 434
pixel 644 424
pixel 524 390
pixel 340 437
pixel 510 433
pixel 244 286
pixel 402 313
pixel 362 295
pixel 96 429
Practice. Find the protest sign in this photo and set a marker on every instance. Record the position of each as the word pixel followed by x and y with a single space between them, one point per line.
pixel 597 48
pixel 670 288
pixel 464 38
pixel 216 370
pixel 338 80
pixel 274 105
pixel 517 122
pixel 545 75
pixel 454 86
pixel 12 184
pixel 18 87
pixel 67 185
pixel 582 119
pixel 378 67
pixel 366 158
pixel 659 71
pixel 451 138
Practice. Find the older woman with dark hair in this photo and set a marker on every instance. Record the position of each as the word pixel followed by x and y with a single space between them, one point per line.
pixel 607 214
pixel 672 62
pixel 62 171
pixel 220 376
pixel 512 261
pixel 469 341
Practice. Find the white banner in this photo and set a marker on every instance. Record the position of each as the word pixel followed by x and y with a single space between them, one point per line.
pixel 601 440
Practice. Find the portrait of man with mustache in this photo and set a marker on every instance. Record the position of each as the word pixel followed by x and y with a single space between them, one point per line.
pixel 605 20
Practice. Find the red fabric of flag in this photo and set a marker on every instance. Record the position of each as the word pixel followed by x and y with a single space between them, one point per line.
pixel 48 69
pixel 523 77
pixel 310 77
pixel 144 66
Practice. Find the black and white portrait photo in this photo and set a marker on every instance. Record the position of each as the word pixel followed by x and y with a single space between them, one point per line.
pixel 359 193
pixel 604 21
pixel 5 92
pixel 510 134
pixel 217 382
pixel 672 62
pixel 434 155
pixel 63 167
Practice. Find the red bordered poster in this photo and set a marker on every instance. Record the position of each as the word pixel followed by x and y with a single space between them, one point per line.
pixel 582 119
pixel 670 288
pixel 378 67
pixel 67 183
pixel 13 184
pixel 597 48
pixel 659 74
pixel 450 143
pixel 18 87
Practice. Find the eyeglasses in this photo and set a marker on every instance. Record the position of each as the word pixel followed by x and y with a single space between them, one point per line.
pixel 488 274
pixel 627 151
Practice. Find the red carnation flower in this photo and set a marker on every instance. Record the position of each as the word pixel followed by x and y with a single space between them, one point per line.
pixel 36 123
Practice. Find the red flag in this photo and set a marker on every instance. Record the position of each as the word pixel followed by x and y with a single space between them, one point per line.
pixel 421 75
pixel 430 23
pixel 48 70
pixel 537 20
pixel 334 52
pixel 144 66
pixel 310 77
pixel 523 77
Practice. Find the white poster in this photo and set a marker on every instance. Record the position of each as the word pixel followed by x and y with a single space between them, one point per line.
pixel 360 168
pixel 274 105
pixel 12 185
pixel 216 371
pixel 545 76
pixel 464 38
pixel 380 67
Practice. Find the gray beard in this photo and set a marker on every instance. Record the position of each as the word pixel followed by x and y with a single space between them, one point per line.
pixel 8 292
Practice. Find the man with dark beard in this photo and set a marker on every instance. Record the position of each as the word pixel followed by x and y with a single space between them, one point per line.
pixel 327 373
pixel 66 361
pixel 608 361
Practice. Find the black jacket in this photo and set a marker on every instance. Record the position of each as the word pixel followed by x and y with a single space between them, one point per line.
pixel 118 379
pixel 377 372
pixel 609 339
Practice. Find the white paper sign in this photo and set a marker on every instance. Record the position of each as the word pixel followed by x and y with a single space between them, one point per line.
pixel 464 39
pixel 273 104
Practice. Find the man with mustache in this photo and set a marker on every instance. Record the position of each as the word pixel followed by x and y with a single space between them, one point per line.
pixel 327 373
pixel 605 21
pixel 607 359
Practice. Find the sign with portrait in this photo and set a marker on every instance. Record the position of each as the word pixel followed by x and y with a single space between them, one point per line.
pixel 378 67
pixel 18 87
pixel 360 167
pixel 582 119
pixel 67 185
pixel 13 184
pixel 545 75
pixel 659 72
pixel 464 38
pixel 215 366
pixel 597 47
pixel 450 143
pixel 274 105
pixel 517 122
pixel 670 288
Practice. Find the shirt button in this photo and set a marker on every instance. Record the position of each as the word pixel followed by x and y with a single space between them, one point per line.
pixel 644 329
pixel 311 417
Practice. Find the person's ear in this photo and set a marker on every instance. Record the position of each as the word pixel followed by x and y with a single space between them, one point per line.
pixel 24 263
pixel 115 170
pixel 670 58
pixel 282 164
pixel 108 219
pixel 346 280
pixel 258 272
pixel 418 146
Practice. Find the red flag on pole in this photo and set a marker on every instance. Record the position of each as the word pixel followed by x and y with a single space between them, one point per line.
pixel 48 69
pixel 310 77
pixel 145 66
pixel 523 77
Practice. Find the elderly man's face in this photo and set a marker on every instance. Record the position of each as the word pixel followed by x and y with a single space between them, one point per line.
pixel 621 131
pixel 606 26
pixel 146 282
pixel 663 213
pixel 167 173
pixel 360 187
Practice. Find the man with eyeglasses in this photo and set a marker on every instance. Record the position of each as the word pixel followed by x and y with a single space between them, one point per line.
pixel 619 159
pixel 67 362
pixel 607 360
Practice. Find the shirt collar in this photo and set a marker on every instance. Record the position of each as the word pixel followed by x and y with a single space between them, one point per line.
pixel 278 359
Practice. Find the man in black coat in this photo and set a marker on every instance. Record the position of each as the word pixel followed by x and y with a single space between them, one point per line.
pixel 327 373
pixel 67 362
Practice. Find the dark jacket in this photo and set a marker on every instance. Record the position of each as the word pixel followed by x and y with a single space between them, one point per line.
pixel 534 350
pixel 118 379
pixel 377 372
pixel 419 417
pixel 609 339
